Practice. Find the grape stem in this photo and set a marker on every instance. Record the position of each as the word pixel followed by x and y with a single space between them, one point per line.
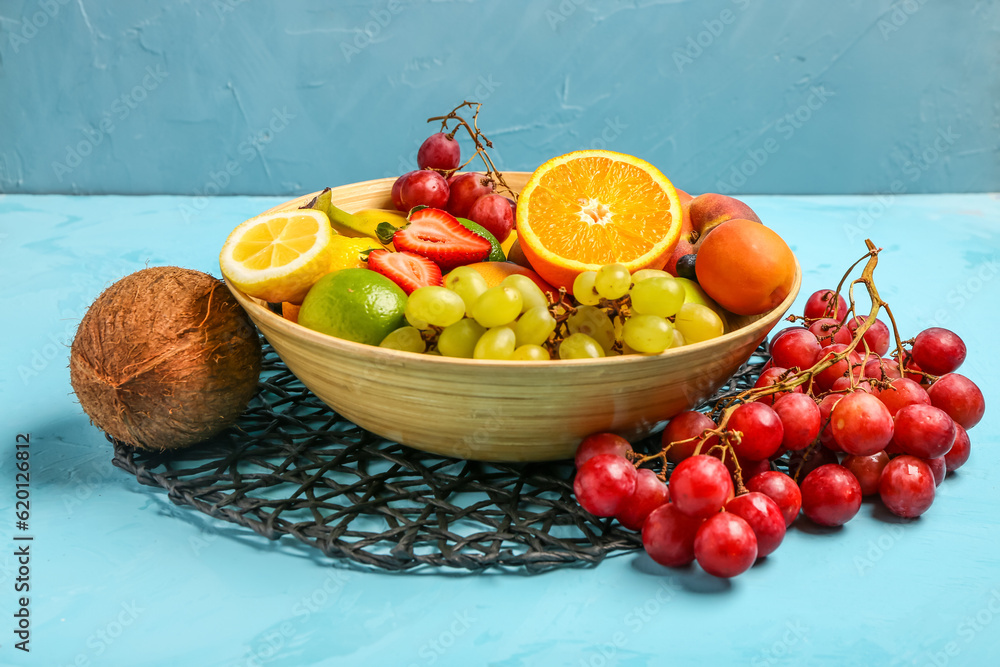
pixel 481 142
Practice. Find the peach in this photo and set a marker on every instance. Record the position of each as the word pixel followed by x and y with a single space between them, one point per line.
pixel 710 210
pixel 746 267
pixel 685 242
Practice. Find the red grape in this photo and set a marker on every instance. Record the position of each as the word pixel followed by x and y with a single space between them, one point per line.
pixel 912 371
pixel 439 151
pixel 700 486
pixel 800 420
pixel 649 494
pixel 867 470
pixel 782 332
pixel 877 335
pixel 829 331
pixel 780 488
pixel 465 190
pixel 861 424
pixel 603 483
pixel 960 398
pixel 668 536
pixel 821 304
pixel 924 431
pixel 751 468
pixel 798 348
pixel 844 383
pixel 687 425
pixel 907 486
pixel 826 377
pixel 882 369
pixel 769 377
pixel 960 450
pixel 761 430
pixel 601 443
pixel 831 496
pixel 826 405
pixel 938 468
pixel 938 351
pixel 805 464
pixel 397 186
pixel 902 392
pixel 493 213
pixel 764 517
pixel 725 545
pixel 422 188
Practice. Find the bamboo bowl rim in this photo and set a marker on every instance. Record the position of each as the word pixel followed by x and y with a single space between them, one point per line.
pixel 762 322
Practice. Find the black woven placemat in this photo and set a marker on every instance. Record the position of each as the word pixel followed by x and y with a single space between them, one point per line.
pixel 292 466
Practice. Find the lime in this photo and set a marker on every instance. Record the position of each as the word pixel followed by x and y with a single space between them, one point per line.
pixel 496 252
pixel 354 304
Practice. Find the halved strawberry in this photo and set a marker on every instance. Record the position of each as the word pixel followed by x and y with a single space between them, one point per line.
pixel 407 270
pixel 437 235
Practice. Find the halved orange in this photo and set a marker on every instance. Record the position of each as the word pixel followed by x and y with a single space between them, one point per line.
pixel 589 208
pixel 278 256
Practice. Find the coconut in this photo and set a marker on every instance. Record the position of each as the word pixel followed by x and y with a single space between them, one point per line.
pixel 165 358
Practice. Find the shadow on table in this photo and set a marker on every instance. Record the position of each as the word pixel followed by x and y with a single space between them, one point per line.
pixel 691 578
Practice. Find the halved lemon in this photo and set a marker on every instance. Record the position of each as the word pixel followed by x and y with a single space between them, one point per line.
pixel 278 256
pixel 589 208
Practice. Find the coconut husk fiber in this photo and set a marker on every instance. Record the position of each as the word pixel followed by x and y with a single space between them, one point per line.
pixel 165 358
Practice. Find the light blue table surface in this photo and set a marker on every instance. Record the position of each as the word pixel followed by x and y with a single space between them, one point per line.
pixel 120 576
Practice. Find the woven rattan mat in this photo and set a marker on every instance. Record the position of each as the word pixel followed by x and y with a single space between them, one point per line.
pixel 292 466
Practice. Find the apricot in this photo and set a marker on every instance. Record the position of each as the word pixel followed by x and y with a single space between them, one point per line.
pixel 746 267
pixel 710 210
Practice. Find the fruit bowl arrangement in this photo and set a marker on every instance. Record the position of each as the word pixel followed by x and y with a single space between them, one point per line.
pixel 501 410
pixel 407 318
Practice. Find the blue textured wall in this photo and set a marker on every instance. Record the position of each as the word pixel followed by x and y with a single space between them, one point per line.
pixel 244 96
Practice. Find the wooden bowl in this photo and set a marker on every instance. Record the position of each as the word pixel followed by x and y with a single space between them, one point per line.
pixel 501 410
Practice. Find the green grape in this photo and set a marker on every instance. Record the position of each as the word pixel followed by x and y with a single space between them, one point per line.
pixel 407 339
pixel 530 353
pixel 497 306
pixel 643 274
pixel 468 284
pixel 661 296
pixel 459 340
pixel 650 334
pixel 535 326
pixel 438 306
pixel 595 323
pixel 414 322
pixel 612 281
pixel 678 339
pixel 531 295
pixel 583 289
pixel 496 343
pixel 580 346
pixel 697 323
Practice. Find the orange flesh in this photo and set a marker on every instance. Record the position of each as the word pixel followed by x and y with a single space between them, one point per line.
pixel 616 211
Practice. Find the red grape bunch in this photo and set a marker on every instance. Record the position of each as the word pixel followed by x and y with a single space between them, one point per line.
pixel 439 184
pixel 834 416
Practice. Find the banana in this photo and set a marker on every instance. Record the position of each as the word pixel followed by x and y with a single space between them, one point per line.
pixel 361 224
